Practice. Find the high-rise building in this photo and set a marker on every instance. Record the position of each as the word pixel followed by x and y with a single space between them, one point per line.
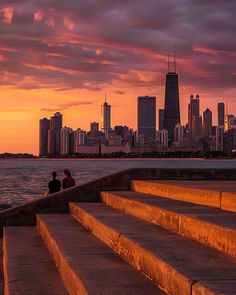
pixel 179 135
pixel 94 127
pixel 44 125
pixel 161 119
pixel 221 113
pixel 193 111
pixel 163 138
pixel 66 141
pixel 54 134
pixel 197 129
pixel 229 122
pixel 207 123
pixel 79 140
pixel 147 118
pixel 220 138
pixel 172 108
pixel 122 131
pixel 105 118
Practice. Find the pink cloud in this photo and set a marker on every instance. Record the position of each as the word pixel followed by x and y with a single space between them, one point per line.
pixel 8 13
pixel 38 16
pixel 69 24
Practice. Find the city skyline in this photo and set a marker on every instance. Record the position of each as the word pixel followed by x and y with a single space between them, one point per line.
pixel 64 58
pixel 199 134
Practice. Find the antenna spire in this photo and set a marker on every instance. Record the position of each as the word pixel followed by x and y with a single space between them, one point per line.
pixel 168 62
pixel 174 61
pixel 105 97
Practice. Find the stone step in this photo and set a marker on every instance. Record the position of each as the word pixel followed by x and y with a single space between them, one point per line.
pixel 88 266
pixel 178 264
pixel 197 192
pixel 28 267
pixel 207 225
pixel 1 269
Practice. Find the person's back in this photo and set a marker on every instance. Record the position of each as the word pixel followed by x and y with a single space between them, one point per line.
pixel 54 185
pixel 68 181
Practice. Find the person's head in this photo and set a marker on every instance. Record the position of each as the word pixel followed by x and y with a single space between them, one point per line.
pixel 54 175
pixel 67 172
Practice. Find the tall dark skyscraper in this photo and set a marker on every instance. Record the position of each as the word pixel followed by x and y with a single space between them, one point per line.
pixel 54 134
pixel 172 109
pixel 44 125
pixel 221 114
pixel 207 123
pixel 147 118
pixel 161 119
pixel 105 118
pixel 193 111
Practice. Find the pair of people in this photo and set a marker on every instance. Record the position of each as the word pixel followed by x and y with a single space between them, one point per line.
pixel 55 185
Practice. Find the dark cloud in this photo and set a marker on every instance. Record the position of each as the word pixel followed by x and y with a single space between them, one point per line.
pixel 67 105
pixel 91 44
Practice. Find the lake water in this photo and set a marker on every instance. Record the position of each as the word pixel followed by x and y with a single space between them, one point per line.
pixel 26 179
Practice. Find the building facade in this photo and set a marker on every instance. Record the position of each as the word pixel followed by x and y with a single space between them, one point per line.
pixel 193 112
pixel 105 118
pixel 172 108
pixel 44 126
pixel 221 113
pixel 147 118
pixel 54 133
pixel 207 124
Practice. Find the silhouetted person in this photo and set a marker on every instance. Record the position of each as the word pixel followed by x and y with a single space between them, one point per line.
pixel 68 180
pixel 54 185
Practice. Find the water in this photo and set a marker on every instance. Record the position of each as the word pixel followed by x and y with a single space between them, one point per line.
pixel 24 180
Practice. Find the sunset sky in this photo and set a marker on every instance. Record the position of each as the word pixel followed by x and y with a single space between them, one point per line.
pixel 58 55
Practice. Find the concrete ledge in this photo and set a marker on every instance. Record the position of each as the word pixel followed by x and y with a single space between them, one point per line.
pixel 86 265
pixel 1 268
pixel 28 267
pixel 228 201
pixel 207 225
pixel 178 192
pixel 211 288
pixel 26 215
pixel 174 262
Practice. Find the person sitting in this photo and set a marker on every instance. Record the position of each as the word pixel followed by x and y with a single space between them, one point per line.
pixel 68 181
pixel 54 185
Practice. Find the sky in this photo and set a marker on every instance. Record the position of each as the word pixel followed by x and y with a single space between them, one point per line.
pixel 58 55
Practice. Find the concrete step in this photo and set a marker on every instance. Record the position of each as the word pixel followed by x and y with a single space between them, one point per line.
pixel 1 269
pixel 219 194
pixel 178 264
pixel 28 267
pixel 86 265
pixel 207 225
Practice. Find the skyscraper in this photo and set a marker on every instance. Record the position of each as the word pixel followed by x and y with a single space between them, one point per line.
pixel 105 118
pixel 94 127
pixel 193 111
pixel 44 125
pixel 54 134
pixel 220 138
pixel 207 123
pixel 161 119
pixel 197 129
pixel 179 135
pixel 221 113
pixel 66 141
pixel 172 109
pixel 147 118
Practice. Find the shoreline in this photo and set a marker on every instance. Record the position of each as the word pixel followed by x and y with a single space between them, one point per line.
pixel 118 159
